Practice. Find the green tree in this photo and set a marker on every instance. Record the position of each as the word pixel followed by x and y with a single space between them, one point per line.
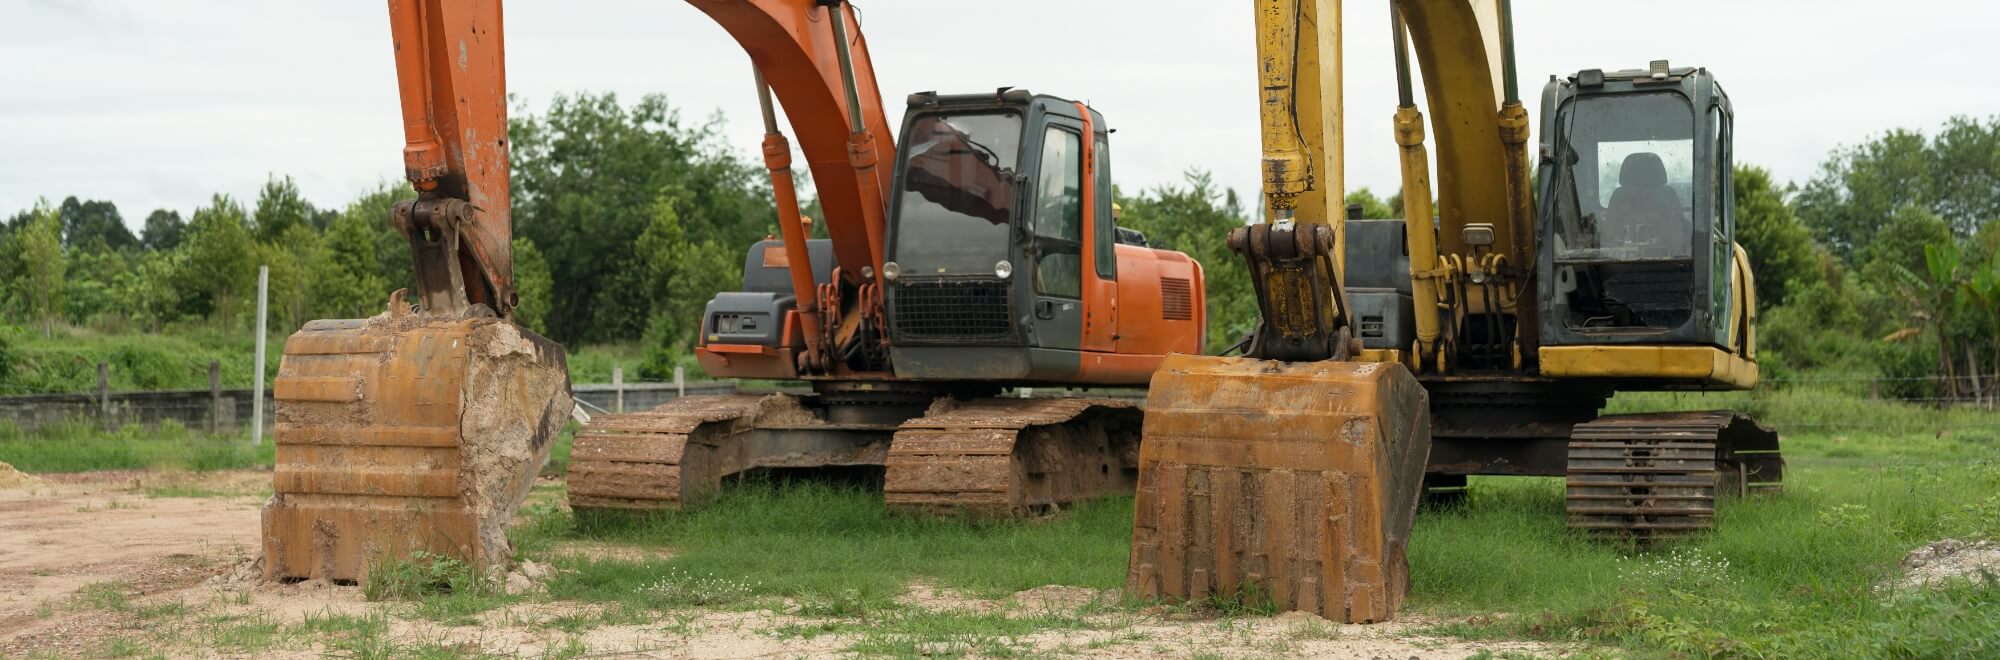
pixel 533 284
pixel 1955 176
pixel 1372 207
pixel 1195 218
pixel 90 291
pixel 301 267
pixel 147 291
pixel 1898 243
pixel 588 176
pixel 219 259
pixel 94 225
pixel 280 207
pixel 1781 249
pixel 1982 292
pixel 355 287
pixel 1933 294
pixel 163 230
pixel 368 216
pixel 43 266
pixel 1859 186
pixel 682 273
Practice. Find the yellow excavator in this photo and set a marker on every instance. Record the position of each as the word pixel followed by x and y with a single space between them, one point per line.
pixel 1481 336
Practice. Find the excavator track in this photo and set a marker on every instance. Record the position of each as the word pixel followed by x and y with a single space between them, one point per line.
pixel 1002 457
pixel 1659 475
pixel 664 458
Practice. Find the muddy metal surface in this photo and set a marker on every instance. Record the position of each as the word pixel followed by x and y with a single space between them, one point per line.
pixel 1240 488
pixel 1008 457
pixel 405 433
pixel 1653 475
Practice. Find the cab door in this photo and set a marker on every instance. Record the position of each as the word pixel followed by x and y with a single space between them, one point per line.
pixel 1055 250
pixel 1100 245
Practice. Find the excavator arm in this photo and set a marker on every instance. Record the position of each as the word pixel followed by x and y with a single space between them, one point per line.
pixel 1292 472
pixel 1295 255
pixel 451 73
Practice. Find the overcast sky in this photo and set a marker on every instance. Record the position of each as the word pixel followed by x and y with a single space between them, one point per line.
pixel 160 104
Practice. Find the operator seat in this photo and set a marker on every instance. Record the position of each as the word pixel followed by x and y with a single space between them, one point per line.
pixel 1644 210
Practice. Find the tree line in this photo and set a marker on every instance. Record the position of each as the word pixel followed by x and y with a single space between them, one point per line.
pixel 629 217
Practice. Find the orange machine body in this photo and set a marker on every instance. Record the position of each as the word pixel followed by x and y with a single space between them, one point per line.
pixel 853 321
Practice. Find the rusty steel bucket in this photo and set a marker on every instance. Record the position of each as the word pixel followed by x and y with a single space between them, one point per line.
pixel 406 433
pixel 1292 482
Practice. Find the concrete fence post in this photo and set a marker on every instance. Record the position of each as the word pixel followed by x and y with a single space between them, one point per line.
pixel 214 397
pixel 104 394
pixel 257 380
pixel 680 383
pixel 618 387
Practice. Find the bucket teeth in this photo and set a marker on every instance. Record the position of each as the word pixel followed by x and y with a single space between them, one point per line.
pixel 1292 482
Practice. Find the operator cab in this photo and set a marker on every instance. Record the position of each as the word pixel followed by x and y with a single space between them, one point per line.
pixel 1637 231
pixel 1002 236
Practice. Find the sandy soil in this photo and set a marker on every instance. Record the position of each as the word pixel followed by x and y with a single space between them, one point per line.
pixel 1945 561
pixel 183 565
pixel 66 532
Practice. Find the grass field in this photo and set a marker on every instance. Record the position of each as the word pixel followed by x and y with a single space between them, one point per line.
pixel 81 447
pixel 1796 574
pixel 67 361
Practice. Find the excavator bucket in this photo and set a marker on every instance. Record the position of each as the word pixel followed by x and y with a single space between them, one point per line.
pixel 1294 482
pixel 405 433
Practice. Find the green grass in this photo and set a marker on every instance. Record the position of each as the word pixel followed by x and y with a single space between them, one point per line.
pixel 442 588
pixel 1816 409
pixel 178 359
pixel 1795 574
pixel 826 546
pixel 592 364
pixel 174 360
pixel 80 447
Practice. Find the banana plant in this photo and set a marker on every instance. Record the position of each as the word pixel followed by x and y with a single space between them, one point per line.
pixel 1982 290
pixel 1934 297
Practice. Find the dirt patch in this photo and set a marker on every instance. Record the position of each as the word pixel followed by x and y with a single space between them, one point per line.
pixel 924 594
pixel 784 410
pixel 1948 560
pixel 12 478
pixel 223 482
pixel 89 529
pixel 1059 597
pixel 1293 634
pixel 600 551
pixel 194 555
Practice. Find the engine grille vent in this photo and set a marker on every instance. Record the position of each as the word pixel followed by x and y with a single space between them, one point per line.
pixel 1176 299
pixel 953 310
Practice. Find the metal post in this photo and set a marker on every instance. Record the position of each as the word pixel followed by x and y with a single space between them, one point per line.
pixel 618 386
pixel 257 379
pixel 104 393
pixel 214 397
pixel 680 382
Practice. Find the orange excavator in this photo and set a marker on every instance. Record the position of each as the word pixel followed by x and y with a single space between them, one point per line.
pixel 977 254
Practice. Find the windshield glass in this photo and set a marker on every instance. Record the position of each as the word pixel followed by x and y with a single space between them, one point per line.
pixel 1629 179
pixel 957 196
